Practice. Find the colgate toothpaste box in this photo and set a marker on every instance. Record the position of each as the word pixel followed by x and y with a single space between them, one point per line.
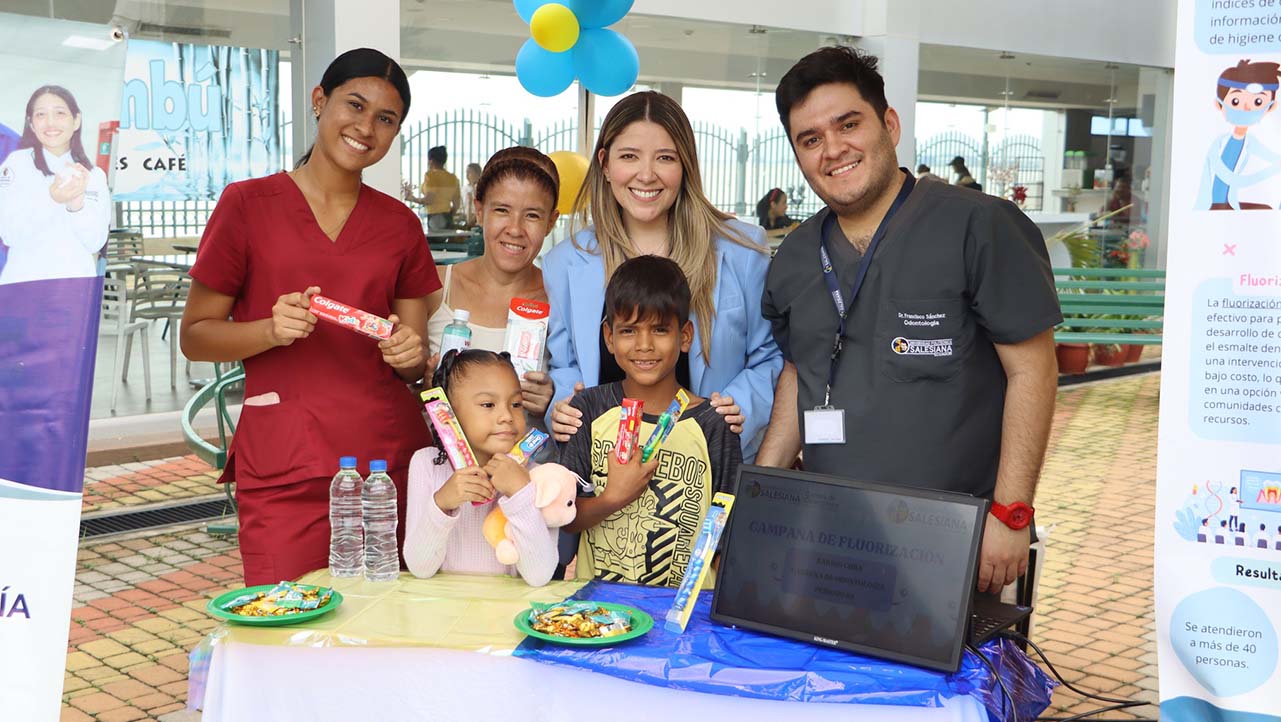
pixel 526 334
pixel 327 309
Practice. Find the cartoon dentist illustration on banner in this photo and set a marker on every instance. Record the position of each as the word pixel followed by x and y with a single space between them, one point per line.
pixel 54 204
pixel 1237 160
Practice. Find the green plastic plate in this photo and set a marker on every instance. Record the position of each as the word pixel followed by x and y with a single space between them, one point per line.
pixel 641 623
pixel 215 608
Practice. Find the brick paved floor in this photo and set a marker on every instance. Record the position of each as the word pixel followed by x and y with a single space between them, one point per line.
pixel 139 602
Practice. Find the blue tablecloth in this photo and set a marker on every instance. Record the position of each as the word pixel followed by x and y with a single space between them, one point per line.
pixel 715 659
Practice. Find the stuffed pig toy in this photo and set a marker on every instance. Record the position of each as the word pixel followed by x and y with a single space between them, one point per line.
pixel 555 491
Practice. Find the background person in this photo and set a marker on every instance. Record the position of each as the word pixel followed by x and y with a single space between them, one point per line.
pixel 939 370
pixel 643 196
pixel 469 193
pixel 55 209
pixel 316 392
pixel 440 193
pixel 964 178
pixel 516 206
pixel 923 172
pixel 771 211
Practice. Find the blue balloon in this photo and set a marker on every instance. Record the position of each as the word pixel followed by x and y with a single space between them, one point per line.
pixel 596 13
pixel 543 72
pixel 606 62
pixel 525 8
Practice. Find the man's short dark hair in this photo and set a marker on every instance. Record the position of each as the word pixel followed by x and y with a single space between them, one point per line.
pixel 647 287
pixel 438 155
pixel 922 168
pixel 833 64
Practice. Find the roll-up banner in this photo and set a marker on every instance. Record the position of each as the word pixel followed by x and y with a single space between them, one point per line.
pixel 59 94
pixel 1218 525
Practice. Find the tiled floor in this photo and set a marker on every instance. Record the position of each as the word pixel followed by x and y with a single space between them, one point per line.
pixel 139 601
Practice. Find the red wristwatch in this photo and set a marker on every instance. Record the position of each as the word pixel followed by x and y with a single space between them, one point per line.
pixel 1016 516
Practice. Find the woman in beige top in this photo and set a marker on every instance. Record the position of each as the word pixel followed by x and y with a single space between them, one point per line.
pixel 516 207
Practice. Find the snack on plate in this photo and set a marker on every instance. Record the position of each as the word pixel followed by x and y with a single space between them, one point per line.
pixel 526 336
pixel 578 620
pixel 283 599
pixel 327 309
pixel 629 423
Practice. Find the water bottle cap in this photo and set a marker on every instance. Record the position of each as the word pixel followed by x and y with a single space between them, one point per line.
pixel 462 315
pixel 377 465
pixel 347 462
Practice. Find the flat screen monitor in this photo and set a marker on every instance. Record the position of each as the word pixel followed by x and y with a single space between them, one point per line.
pixel 886 571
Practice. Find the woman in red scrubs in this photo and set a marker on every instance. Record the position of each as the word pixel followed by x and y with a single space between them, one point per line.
pixel 316 392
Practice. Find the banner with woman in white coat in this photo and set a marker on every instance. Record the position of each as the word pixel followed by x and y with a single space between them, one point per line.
pixel 59 86
pixel 1218 525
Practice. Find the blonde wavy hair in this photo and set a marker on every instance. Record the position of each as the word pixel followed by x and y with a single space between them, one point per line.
pixel 692 221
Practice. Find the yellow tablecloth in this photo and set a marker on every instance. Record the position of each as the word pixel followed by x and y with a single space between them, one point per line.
pixel 450 611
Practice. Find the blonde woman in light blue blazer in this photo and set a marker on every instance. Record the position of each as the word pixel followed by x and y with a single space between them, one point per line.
pixel 643 195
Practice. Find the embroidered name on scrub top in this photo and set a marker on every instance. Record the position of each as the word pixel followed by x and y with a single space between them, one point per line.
pixel 1231 154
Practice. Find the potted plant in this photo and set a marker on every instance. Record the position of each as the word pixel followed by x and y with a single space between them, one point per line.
pixel 1073 358
pixel 1108 354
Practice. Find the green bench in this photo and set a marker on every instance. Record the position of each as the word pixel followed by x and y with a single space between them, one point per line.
pixel 215 454
pixel 1110 305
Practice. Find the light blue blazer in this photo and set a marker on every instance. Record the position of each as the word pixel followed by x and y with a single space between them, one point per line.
pixel 745 361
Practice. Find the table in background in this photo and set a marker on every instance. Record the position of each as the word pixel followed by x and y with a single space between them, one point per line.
pixel 177 261
pixel 448 258
pixel 441 649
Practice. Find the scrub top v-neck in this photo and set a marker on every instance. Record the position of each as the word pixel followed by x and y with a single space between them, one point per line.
pixel 337 395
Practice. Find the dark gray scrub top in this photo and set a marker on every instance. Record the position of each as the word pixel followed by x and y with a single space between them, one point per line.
pixel 919 379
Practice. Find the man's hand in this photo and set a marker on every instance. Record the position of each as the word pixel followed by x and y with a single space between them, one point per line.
pixel 1003 557
pixel 566 419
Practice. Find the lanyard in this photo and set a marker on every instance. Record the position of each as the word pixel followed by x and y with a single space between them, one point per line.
pixel 834 285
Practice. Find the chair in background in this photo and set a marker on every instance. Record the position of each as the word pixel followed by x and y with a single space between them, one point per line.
pixel 121 247
pixel 215 454
pixel 160 294
pixel 115 319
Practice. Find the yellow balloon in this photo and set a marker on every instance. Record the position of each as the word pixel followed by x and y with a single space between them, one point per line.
pixel 572 168
pixel 554 27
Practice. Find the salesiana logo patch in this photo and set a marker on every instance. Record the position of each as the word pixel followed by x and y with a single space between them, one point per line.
pixel 921 346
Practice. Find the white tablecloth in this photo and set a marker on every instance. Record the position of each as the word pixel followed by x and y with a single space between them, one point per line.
pixel 389 684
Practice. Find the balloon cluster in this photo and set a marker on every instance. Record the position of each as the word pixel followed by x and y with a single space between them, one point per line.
pixel 570 40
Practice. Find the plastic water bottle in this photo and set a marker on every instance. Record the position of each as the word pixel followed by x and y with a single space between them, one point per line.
pixel 378 502
pixel 346 535
pixel 457 335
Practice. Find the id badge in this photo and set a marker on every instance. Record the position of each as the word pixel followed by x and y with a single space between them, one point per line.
pixel 825 425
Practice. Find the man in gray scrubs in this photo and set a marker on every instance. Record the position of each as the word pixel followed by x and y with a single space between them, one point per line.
pixel 942 373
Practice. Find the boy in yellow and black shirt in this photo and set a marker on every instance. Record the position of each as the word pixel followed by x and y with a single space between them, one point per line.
pixel 640 521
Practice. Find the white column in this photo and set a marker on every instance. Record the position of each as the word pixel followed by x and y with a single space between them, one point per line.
pixel 326 29
pixel 900 65
pixel 1161 83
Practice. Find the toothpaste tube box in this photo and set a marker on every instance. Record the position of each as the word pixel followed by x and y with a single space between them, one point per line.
pixel 449 433
pixel 327 309
pixel 700 561
pixel 526 334
pixel 525 449
pixel 629 423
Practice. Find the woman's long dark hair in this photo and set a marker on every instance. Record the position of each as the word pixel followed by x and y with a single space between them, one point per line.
pixel 762 206
pixel 362 63
pixel 456 364
pixel 29 139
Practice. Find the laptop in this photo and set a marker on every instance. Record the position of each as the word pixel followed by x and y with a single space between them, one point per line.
pixel 886 571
